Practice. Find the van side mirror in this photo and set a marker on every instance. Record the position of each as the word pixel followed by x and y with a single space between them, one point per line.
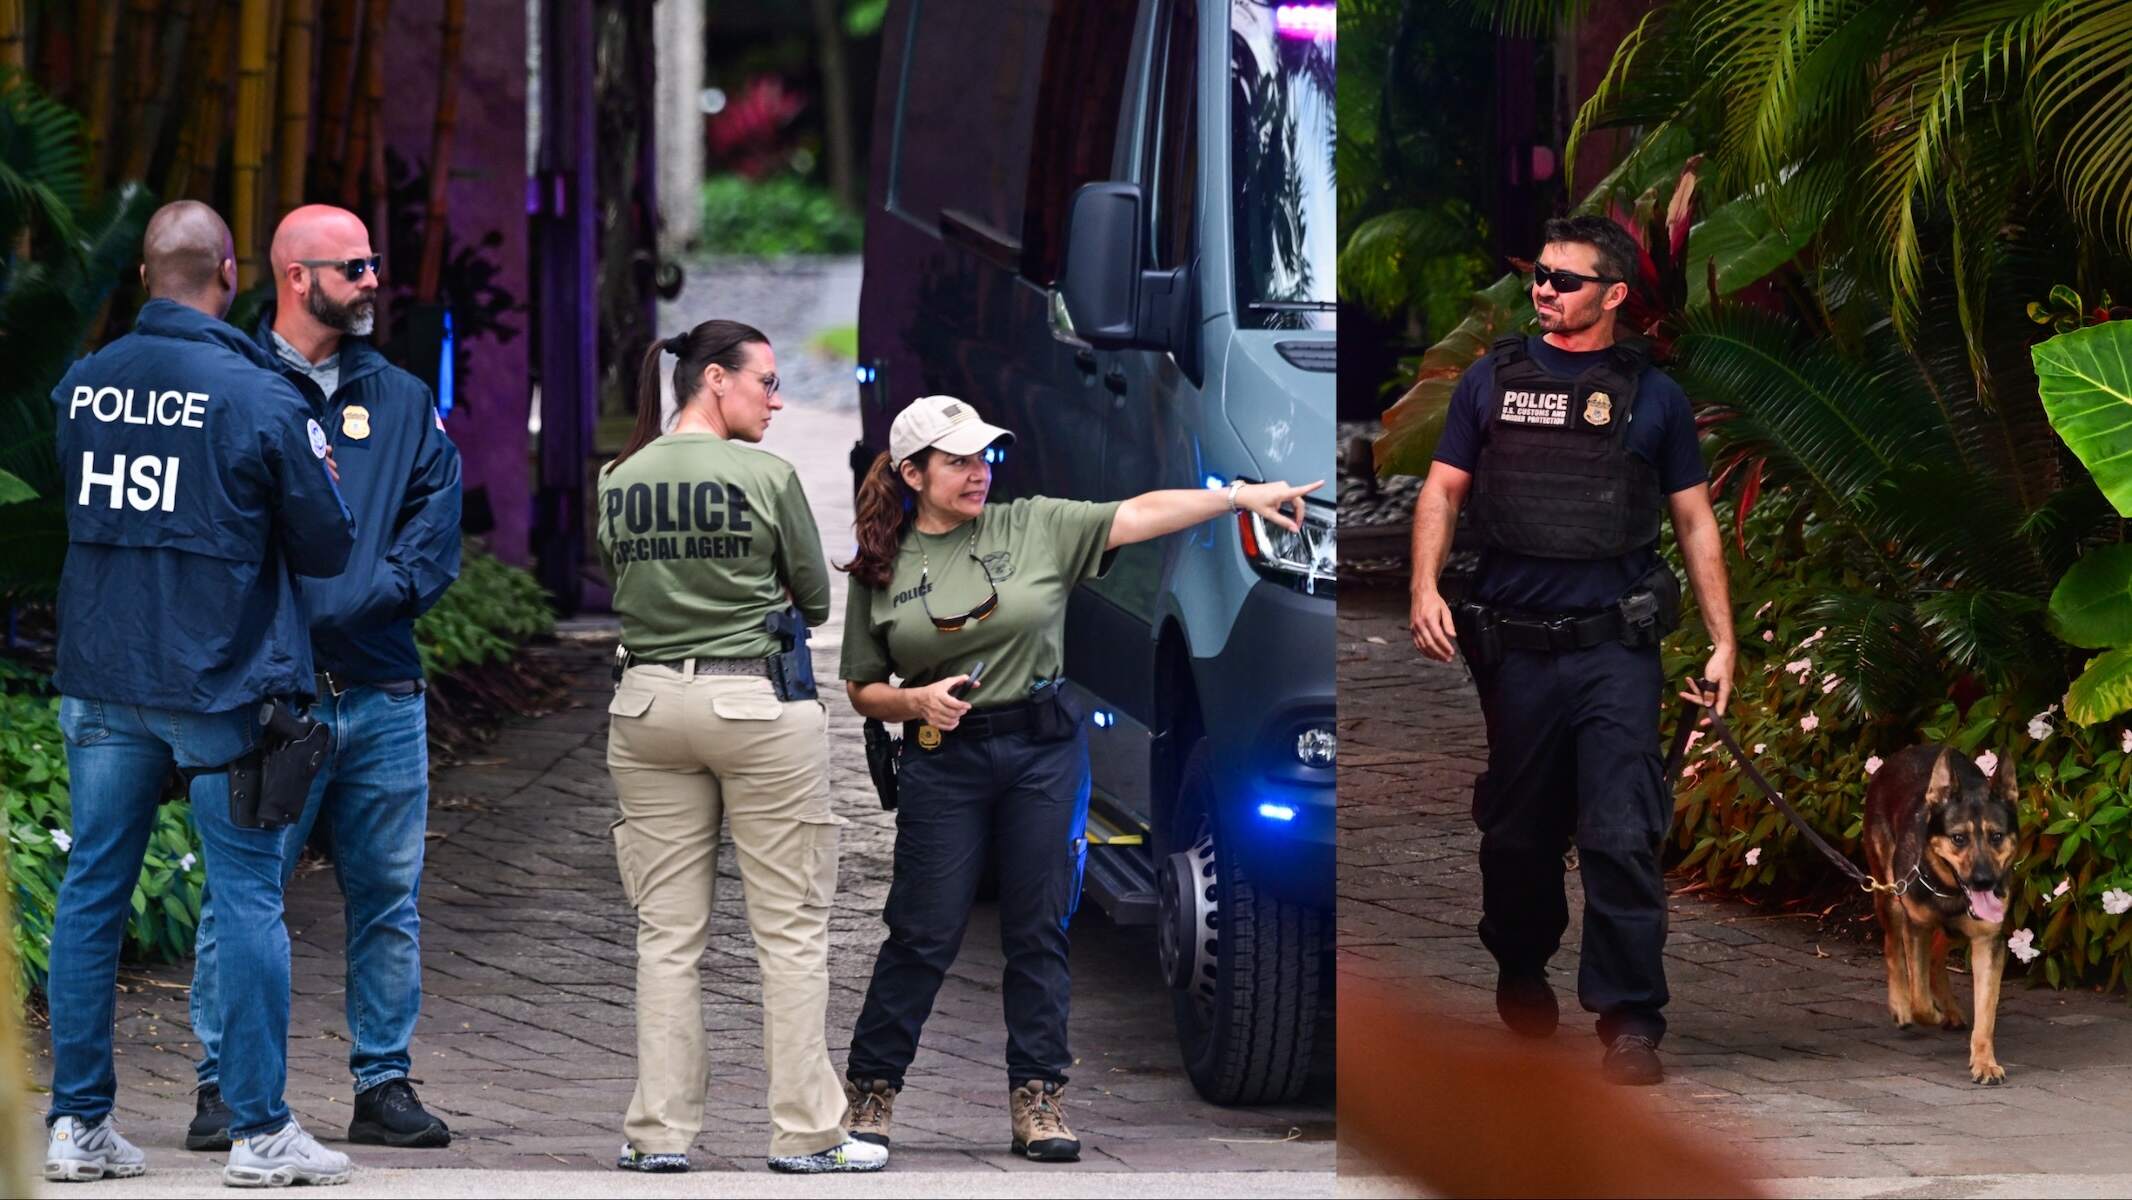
pixel 1113 303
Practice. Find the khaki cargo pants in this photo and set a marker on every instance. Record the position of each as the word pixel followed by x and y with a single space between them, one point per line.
pixel 684 749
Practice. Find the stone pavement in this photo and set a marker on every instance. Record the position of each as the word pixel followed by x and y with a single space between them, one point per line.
pixel 1779 1045
pixel 527 1040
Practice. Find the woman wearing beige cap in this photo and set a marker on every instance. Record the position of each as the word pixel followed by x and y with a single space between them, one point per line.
pixel 994 769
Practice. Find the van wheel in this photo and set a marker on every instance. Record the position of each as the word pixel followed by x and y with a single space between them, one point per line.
pixel 1244 969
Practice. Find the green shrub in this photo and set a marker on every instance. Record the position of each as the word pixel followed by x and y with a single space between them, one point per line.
pixel 483 616
pixel 33 777
pixel 776 216
pixel 2075 782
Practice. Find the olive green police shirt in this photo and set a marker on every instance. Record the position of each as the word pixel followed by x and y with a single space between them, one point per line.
pixel 702 537
pixel 1035 550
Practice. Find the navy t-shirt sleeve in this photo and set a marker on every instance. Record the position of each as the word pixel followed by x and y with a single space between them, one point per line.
pixel 1680 457
pixel 1460 445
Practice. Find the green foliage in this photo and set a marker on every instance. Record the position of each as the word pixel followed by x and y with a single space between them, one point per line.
pixel 2085 377
pixel 13 489
pixel 779 215
pixel 2075 781
pixel 483 616
pixel 33 780
pixel 862 18
pixel 837 341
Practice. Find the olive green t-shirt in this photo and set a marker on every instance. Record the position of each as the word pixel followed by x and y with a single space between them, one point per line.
pixel 702 538
pixel 1035 551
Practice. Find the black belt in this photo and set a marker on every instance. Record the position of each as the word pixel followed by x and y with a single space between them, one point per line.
pixel 984 723
pixel 1522 632
pixel 330 684
pixel 710 666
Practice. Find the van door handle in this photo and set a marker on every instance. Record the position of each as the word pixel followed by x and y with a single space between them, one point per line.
pixel 1114 379
pixel 1085 359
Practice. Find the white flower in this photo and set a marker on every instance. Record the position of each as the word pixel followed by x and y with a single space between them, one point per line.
pixel 2125 743
pixel 1809 722
pixel 2038 728
pixel 1988 762
pixel 62 839
pixel 1799 667
pixel 1770 635
pixel 1694 736
pixel 185 863
pixel 2116 901
pixel 2060 890
pixel 1829 683
pixel 1759 747
pixel 1872 764
pixel 2023 945
pixel 1815 638
pixel 1754 856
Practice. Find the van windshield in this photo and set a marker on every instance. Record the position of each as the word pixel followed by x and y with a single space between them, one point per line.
pixel 1281 133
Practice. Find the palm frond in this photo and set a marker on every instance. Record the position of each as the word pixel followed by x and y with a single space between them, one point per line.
pixel 1878 650
pixel 1998 635
pixel 2080 90
pixel 41 174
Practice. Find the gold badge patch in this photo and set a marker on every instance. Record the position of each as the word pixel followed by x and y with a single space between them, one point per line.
pixel 355 422
pixel 1598 408
pixel 928 737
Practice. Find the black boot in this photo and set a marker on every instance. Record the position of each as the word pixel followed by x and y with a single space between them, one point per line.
pixel 1527 1004
pixel 210 1120
pixel 389 1115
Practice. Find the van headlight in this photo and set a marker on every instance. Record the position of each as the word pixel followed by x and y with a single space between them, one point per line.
pixel 1306 559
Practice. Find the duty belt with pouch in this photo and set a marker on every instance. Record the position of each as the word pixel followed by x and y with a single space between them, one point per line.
pixel 269 784
pixel 790 671
pixel 1049 715
pixel 1642 617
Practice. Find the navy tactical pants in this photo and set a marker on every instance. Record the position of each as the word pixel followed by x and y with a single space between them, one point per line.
pixel 1574 755
pixel 1021 804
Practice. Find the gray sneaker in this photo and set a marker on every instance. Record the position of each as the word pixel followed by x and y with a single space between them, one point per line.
pixel 851 1156
pixel 286 1156
pixel 78 1153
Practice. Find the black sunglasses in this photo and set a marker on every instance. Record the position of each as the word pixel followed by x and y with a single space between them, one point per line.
pixel 352 268
pixel 955 624
pixel 1565 282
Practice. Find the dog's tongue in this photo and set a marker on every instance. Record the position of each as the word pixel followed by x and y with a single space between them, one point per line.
pixel 1986 906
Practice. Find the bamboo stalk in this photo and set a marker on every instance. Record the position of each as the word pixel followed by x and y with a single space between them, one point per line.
pixel 180 46
pixel 200 155
pixel 139 30
pixel 440 152
pixel 369 121
pixel 253 25
pixel 11 34
pixel 294 152
pixel 102 80
pixel 336 79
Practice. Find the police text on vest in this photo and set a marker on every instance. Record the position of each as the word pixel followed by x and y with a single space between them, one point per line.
pixel 150 407
pixel 1536 408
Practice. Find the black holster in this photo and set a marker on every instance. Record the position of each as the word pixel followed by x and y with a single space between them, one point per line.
pixel 1055 716
pixel 792 668
pixel 268 787
pixel 1478 638
pixel 881 762
pixel 1651 609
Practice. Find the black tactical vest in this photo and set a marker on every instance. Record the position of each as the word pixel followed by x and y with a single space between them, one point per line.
pixel 1555 478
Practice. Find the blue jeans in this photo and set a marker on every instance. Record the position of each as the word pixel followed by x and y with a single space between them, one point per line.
pixel 373 794
pixel 119 756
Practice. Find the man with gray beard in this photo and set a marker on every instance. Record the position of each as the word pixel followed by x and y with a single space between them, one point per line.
pixel 400 475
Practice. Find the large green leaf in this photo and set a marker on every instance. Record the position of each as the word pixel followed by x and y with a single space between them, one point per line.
pixel 1413 425
pixel 2086 381
pixel 2092 605
pixel 13 489
pixel 1749 241
pixel 2103 690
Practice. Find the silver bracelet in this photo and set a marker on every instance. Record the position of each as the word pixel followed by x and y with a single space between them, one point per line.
pixel 1234 487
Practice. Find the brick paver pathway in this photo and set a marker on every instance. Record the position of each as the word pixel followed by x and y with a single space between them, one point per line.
pixel 1779 1039
pixel 527 1040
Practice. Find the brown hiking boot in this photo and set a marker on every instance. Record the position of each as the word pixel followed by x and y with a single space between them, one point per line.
pixel 1040 1126
pixel 868 1110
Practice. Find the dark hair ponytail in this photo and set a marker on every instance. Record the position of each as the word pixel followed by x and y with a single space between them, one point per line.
pixel 885 508
pixel 721 342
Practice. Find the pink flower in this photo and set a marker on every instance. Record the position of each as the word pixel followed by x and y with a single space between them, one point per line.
pixel 1770 635
pixel 1754 856
pixel 1829 683
pixel 2023 945
pixel 1799 667
pixel 1765 608
pixel 1988 763
pixel 1759 747
pixel 2125 743
pixel 1872 765
pixel 2116 902
pixel 1815 638
pixel 2058 891
pixel 1809 722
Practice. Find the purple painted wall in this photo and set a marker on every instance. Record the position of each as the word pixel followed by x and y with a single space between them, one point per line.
pixel 487 193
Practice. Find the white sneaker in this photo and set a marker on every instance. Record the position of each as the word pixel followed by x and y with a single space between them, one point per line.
pixel 851 1156
pixel 286 1156
pixel 78 1153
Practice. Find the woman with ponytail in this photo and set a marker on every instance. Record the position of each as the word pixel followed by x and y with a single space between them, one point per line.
pixel 705 537
pixel 993 769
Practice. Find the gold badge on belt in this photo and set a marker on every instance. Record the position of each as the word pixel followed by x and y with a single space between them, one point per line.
pixel 928 736
pixel 355 422
pixel 1598 408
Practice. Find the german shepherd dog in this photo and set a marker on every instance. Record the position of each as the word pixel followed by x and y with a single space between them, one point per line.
pixel 1932 819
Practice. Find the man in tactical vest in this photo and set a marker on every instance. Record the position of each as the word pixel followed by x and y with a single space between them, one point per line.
pixel 1573 448
pixel 197 484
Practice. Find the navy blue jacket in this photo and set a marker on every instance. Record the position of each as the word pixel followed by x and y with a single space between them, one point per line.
pixel 400 475
pixel 196 484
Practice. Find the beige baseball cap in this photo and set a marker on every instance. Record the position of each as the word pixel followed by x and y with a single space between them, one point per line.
pixel 944 423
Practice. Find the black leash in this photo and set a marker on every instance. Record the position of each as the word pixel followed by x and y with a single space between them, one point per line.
pixel 1690 713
